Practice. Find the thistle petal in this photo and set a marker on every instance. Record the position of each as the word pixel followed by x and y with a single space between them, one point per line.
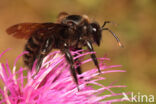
pixel 54 85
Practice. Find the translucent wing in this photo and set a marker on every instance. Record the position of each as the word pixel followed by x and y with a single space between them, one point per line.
pixel 23 30
pixel 61 16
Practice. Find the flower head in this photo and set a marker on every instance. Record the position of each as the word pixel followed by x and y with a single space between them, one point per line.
pixel 54 83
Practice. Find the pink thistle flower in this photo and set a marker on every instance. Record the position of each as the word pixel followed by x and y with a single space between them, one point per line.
pixel 54 83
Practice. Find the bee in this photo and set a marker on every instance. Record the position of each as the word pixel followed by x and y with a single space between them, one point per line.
pixel 70 32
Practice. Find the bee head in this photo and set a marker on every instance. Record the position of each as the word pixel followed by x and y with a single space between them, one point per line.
pixel 95 31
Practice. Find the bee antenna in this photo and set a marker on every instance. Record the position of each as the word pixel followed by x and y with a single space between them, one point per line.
pixel 106 22
pixel 118 40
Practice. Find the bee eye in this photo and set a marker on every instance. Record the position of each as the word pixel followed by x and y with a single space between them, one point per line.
pixel 94 29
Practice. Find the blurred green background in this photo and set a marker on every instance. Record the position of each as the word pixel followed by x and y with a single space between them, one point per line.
pixel 136 21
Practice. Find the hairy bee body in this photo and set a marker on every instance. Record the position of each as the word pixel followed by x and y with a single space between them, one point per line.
pixel 35 44
pixel 32 46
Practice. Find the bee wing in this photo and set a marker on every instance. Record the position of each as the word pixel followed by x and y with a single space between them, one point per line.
pixel 23 30
pixel 61 16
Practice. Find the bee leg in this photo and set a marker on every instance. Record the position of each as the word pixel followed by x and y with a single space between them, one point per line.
pixel 78 69
pixel 45 49
pixel 39 62
pixel 93 56
pixel 78 62
pixel 70 60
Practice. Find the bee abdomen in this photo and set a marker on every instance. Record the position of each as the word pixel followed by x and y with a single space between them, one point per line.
pixel 32 47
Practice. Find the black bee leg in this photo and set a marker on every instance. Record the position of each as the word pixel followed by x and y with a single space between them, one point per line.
pixel 78 69
pixel 39 62
pixel 78 62
pixel 93 56
pixel 70 60
pixel 45 49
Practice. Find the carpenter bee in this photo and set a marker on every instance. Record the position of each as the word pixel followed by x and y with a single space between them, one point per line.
pixel 70 32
